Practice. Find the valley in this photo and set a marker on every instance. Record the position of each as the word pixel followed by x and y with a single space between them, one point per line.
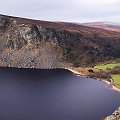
pixel 35 53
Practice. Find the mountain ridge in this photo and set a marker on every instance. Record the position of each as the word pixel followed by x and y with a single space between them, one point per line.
pixel 42 44
pixel 104 25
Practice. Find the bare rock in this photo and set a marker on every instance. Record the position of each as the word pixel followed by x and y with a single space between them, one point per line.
pixel 114 116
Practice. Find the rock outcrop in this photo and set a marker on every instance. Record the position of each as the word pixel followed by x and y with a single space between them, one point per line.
pixel 114 116
pixel 39 44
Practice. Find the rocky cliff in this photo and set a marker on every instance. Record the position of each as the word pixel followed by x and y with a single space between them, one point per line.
pixel 40 44
pixel 114 116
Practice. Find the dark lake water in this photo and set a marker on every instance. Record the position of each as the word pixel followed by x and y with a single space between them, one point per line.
pixel 30 94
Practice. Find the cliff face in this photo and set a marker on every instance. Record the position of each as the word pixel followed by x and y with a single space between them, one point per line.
pixel 40 44
pixel 25 45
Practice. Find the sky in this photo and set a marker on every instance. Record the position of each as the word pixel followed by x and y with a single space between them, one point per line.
pixel 63 10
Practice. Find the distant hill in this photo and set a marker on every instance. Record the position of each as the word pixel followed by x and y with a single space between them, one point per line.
pixel 43 44
pixel 104 25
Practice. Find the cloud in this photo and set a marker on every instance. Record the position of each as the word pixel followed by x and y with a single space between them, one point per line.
pixel 65 10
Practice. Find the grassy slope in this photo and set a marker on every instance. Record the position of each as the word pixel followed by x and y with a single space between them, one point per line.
pixel 116 77
pixel 105 66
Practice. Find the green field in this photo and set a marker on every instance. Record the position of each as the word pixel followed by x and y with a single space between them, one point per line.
pixel 116 78
pixel 105 66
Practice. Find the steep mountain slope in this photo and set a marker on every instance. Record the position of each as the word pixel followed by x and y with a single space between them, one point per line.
pixel 42 44
pixel 104 25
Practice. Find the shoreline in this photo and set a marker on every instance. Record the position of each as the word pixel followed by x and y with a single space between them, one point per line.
pixel 75 72
pixel 107 82
pixel 114 88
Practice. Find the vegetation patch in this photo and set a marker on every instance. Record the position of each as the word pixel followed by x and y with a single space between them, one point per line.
pixel 114 70
pixel 106 66
pixel 116 78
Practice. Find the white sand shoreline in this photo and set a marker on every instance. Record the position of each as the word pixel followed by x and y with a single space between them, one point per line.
pixel 78 73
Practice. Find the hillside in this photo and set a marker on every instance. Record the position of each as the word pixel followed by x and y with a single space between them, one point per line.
pixel 43 44
pixel 104 25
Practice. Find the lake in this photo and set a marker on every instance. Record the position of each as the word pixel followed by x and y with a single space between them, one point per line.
pixel 31 94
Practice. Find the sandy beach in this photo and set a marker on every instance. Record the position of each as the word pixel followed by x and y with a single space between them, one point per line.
pixel 75 72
